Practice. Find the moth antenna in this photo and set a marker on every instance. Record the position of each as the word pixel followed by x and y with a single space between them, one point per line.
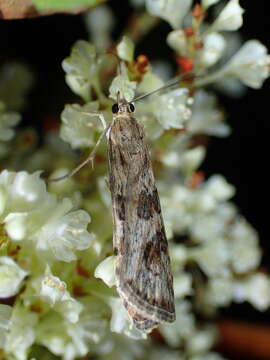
pixel 188 75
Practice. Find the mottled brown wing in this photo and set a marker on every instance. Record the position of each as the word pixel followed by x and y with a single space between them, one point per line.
pixel 143 273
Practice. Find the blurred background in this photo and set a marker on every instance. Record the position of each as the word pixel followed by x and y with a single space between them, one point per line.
pixel 43 42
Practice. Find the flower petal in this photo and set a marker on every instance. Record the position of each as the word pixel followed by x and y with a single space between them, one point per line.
pixel 213 46
pixel 255 289
pixel 105 271
pixel 250 64
pixel 11 277
pixel 177 40
pixel 78 128
pixel 21 333
pixel 122 84
pixel 172 11
pixel 125 49
pixel 230 18
pixel 120 322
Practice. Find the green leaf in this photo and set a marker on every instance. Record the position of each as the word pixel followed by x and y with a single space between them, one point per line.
pixel 65 4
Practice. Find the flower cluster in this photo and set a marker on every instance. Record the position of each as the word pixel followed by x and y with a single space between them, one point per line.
pixel 8 120
pixel 56 270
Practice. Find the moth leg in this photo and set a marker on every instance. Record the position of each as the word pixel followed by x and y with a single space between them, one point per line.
pixel 90 158
pixel 92 155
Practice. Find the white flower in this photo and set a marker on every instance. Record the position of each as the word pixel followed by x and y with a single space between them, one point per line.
pixel 8 120
pixel 69 308
pixel 182 284
pixel 170 110
pixel 74 340
pixel 152 127
pixel 62 338
pixel 219 188
pixel 21 334
pixel 54 291
pixel 64 232
pixel 105 271
pixel 172 11
pixel 122 84
pixel 29 212
pixel 206 117
pixel 82 68
pixel 94 318
pixel 125 49
pixel 231 86
pixel 173 111
pixel 65 186
pixel 99 22
pixel 207 3
pixel 177 40
pixel 192 159
pixel 20 191
pixel 213 257
pixel 201 340
pixel 255 289
pixel 219 291
pixel 245 252
pixel 230 18
pixel 183 327
pixel 178 255
pixel 213 47
pixel 150 82
pixel 159 112
pixel 52 226
pixel 120 322
pixel 215 190
pixel 11 277
pixel 250 64
pixel 5 315
pixel 171 159
pixel 122 348
pixel 179 155
pixel 203 202
pixel 205 227
pixel 175 202
pixel 78 128
pixel 20 225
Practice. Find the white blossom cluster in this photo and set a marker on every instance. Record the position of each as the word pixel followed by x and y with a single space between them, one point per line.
pixel 56 270
pixel 8 120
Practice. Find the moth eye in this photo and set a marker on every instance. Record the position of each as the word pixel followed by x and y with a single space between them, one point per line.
pixel 115 108
pixel 131 107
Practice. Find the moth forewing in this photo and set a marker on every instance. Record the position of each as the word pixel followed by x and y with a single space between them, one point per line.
pixel 143 272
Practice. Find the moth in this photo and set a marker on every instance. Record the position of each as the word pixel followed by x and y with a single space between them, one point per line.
pixel 144 279
pixel 143 272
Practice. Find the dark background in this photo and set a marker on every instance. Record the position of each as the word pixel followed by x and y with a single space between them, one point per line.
pixel 242 158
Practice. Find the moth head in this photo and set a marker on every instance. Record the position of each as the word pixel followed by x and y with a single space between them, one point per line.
pixel 123 107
